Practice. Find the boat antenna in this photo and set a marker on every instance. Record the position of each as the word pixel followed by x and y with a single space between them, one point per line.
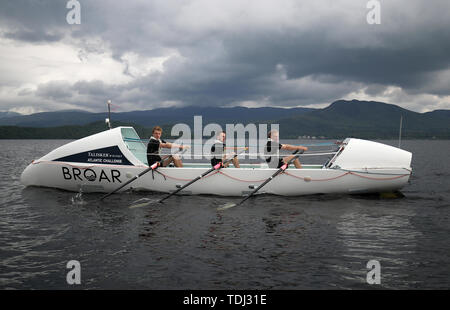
pixel 108 120
pixel 400 132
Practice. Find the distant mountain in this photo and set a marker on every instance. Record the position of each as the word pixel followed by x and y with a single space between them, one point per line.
pixel 367 119
pixel 8 114
pixel 341 119
pixel 439 113
pixel 150 118
pixel 51 119
pixel 65 132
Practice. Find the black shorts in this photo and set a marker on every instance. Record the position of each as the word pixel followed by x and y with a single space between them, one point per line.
pixel 151 159
pixel 215 161
pixel 280 163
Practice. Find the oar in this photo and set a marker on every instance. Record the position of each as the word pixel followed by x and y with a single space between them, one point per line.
pixel 152 167
pixel 216 167
pixel 284 167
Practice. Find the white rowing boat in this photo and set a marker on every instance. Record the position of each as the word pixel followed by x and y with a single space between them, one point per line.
pixel 104 161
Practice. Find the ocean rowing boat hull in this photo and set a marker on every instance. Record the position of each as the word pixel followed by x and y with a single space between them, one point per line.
pixel 226 182
pixel 103 162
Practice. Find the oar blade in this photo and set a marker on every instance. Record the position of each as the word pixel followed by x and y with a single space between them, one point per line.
pixel 226 206
pixel 143 203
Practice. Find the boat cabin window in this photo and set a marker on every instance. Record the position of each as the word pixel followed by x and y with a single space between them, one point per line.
pixel 134 144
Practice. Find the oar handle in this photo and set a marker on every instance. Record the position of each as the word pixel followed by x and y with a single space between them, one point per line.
pixel 234 156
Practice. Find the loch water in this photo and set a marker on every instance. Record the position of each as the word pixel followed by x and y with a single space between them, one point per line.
pixel 271 242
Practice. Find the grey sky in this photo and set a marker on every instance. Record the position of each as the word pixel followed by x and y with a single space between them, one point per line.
pixel 146 54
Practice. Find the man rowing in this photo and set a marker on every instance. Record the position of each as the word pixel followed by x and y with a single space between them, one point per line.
pixel 154 147
pixel 218 150
pixel 273 146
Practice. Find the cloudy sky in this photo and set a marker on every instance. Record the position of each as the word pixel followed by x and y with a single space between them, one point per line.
pixel 144 54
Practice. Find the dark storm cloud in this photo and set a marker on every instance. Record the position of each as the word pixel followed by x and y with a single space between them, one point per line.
pixel 27 20
pixel 58 90
pixel 92 91
pixel 405 64
pixel 32 36
pixel 238 53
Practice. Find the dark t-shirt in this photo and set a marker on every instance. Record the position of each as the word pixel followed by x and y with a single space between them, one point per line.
pixel 153 149
pixel 272 148
pixel 217 150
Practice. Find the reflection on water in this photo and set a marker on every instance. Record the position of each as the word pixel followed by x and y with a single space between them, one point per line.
pixel 387 237
pixel 29 243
